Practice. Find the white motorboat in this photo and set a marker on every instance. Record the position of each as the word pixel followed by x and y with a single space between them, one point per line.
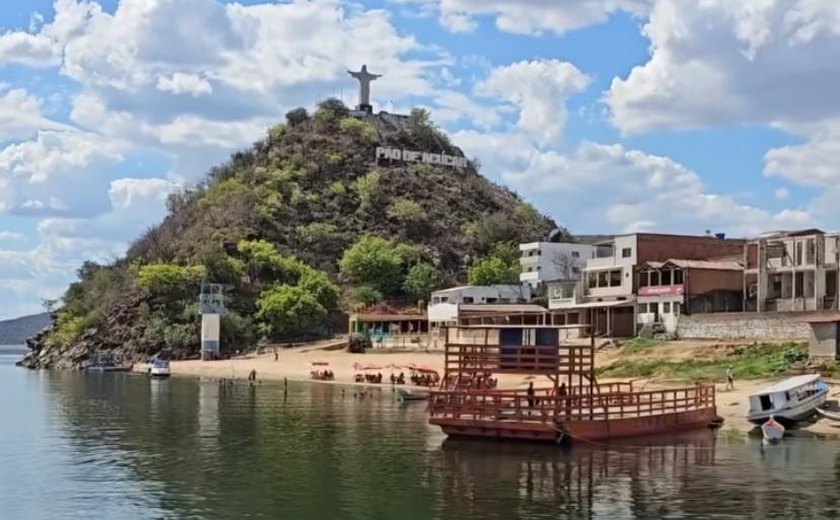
pixel 788 401
pixel 159 368
pixel 772 431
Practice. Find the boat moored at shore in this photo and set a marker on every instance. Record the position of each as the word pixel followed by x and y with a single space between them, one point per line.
pixel 793 399
pixel 571 404
pixel 159 368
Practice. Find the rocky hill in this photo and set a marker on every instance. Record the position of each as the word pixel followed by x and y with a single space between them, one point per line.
pixel 18 330
pixel 304 225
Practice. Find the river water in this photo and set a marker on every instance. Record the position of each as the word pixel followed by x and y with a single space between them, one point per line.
pixel 124 447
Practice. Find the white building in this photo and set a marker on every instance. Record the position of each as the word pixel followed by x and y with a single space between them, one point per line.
pixel 443 308
pixel 549 261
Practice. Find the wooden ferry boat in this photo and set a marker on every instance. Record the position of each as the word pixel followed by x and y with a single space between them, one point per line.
pixel 565 402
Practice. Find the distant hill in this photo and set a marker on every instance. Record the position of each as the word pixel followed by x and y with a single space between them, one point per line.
pixel 274 223
pixel 18 330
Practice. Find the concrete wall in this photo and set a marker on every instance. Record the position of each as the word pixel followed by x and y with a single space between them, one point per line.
pixel 785 326
pixel 663 247
pixel 823 340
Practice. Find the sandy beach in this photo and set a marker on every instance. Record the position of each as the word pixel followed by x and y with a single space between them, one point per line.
pixel 295 364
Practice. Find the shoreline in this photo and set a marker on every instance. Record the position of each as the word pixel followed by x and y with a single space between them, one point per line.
pixel 295 364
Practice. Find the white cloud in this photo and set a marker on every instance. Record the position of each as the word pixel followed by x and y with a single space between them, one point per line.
pixel 599 187
pixel 180 83
pixel 719 62
pixel 813 163
pixel 529 16
pixel 781 193
pixel 11 236
pixel 27 49
pixel 539 89
pixel 21 116
pixel 58 172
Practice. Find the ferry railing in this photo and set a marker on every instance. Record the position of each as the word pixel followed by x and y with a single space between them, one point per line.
pixel 478 405
pixel 565 359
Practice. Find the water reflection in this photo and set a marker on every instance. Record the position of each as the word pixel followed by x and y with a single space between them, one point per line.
pixel 131 447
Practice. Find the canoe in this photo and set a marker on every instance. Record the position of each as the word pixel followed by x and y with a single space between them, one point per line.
pixel 772 431
pixel 830 410
pixel 405 395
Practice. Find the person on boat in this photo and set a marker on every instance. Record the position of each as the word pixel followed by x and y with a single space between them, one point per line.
pixel 730 379
pixel 530 394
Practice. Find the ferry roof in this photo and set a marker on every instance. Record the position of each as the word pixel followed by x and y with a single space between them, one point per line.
pixel 789 384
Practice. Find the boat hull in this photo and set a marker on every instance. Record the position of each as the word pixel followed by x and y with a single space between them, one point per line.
pixel 596 430
pixel 160 373
pixel 772 431
pixel 793 414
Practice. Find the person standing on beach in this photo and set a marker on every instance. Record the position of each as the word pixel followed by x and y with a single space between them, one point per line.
pixel 531 394
pixel 730 379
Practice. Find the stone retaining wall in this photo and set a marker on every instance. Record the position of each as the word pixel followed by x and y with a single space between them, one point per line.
pixel 784 326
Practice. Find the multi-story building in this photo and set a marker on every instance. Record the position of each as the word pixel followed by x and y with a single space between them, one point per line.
pixel 792 271
pixel 544 262
pixel 668 289
pixel 607 292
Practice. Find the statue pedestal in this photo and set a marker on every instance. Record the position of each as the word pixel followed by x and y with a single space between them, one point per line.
pixel 365 108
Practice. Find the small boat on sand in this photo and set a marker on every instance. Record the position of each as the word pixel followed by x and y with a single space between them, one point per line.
pixel 408 395
pixel 830 410
pixel 772 431
pixel 794 399
pixel 159 368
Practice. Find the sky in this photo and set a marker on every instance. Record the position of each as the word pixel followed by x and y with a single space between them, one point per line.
pixel 610 116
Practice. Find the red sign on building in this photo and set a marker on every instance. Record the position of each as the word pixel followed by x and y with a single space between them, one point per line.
pixel 661 290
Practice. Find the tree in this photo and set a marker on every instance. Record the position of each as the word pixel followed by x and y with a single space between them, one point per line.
pixel 501 266
pixel 376 262
pixel 492 271
pixel 422 279
pixel 287 312
pixel 331 110
pixel 367 188
pixel 318 284
pixel 297 116
pixel 567 267
pixel 366 295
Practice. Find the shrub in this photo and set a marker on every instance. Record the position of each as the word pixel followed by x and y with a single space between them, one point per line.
pixel 367 295
pixel 358 128
pixel 297 116
pixel 359 343
pixel 407 211
pixel 367 188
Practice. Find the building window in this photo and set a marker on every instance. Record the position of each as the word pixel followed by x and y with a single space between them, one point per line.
pixel 654 278
pixel 676 308
pixel 602 279
pixel 643 308
pixel 592 281
pixel 575 254
pixel 810 252
pixel 678 277
pixel 666 307
pixel 492 300
pixel 575 270
pixel 615 278
pixel 467 299
pixel 799 253
pixel 626 252
pixel 644 279
pixel 666 277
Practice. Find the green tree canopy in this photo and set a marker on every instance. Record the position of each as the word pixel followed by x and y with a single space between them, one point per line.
pixel 500 266
pixel 376 262
pixel 287 312
pixel 422 279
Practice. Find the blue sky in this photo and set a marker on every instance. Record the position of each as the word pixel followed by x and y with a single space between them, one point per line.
pixel 609 115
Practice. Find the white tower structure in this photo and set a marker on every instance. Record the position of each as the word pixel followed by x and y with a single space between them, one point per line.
pixel 212 308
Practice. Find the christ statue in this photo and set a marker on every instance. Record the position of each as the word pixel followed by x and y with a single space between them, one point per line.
pixel 364 78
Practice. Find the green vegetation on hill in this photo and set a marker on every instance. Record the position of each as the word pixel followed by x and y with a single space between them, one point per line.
pixel 300 227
